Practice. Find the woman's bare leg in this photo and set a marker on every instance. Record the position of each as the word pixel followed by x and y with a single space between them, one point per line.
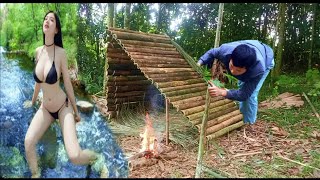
pixel 74 151
pixel 38 126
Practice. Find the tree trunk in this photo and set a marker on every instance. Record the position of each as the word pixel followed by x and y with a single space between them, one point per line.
pixel 127 16
pixel 110 14
pixel 312 35
pixel 282 11
pixel 115 15
pixel 35 26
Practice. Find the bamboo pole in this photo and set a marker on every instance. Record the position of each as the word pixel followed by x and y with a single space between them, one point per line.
pixel 172 79
pixel 220 119
pixel 124 72
pixel 185 96
pixel 124 99
pixel 194 103
pixel 206 111
pixel 175 88
pixel 119 61
pixel 167 121
pixel 201 108
pixel 141 43
pixel 137 37
pixel 153 55
pixel 225 130
pixel 122 66
pixel 185 91
pixel 212 117
pixel 126 78
pixel 165 70
pixel 213 110
pixel 173 74
pixel 162 65
pixel 123 55
pixel 224 124
pixel 123 83
pixel 115 49
pixel 158 58
pixel 171 51
pixel 112 89
pixel 163 61
pixel 179 83
pixel 313 109
pixel 125 94
pixel 150 47
pixel 197 98
pixel 137 32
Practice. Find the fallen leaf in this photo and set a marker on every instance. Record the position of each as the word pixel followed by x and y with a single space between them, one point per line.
pixel 161 165
pixel 316 173
pixel 315 134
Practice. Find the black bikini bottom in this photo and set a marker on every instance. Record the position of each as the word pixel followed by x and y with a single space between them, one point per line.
pixel 55 114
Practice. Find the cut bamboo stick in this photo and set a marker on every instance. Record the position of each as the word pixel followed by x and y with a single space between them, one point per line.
pixel 179 83
pixel 141 43
pixel 115 50
pixel 225 130
pixel 136 32
pixel 201 108
pixel 125 78
pixel 185 91
pixel 185 96
pixel 175 88
pixel 172 79
pixel 125 94
pixel 149 47
pixel 163 61
pixel 224 124
pixel 140 37
pixel 162 65
pixel 112 89
pixel 124 72
pixel 211 110
pixel 212 117
pixel 119 61
pixel 123 55
pixel 165 70
pixel 173 74
pixel 158 58
pixel 153 55
pixel 199 101
pixel 120 100
pixel 123 83
pixel 222 118
pixel 122 66
pixel 146 50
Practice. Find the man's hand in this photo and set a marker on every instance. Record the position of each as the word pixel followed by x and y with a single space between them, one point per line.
pixel 27 104
pixel 216 91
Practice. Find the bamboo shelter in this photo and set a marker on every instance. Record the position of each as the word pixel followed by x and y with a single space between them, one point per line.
pixel 136 60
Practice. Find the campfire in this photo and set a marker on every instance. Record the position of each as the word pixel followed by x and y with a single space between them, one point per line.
pixel 152 150
pixel 149 145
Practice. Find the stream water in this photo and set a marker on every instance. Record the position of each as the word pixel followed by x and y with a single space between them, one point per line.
pixel 16 82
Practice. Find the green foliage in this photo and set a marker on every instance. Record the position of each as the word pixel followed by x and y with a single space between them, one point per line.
pixel 313 79
pixel 217 83
pixel 90 55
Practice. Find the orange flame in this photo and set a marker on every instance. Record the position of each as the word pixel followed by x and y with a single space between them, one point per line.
pixel 149 142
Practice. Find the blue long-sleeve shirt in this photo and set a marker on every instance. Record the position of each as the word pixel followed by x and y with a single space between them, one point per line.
pixel 251 78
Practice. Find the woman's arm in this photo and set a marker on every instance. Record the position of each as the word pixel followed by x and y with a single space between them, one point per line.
pixel 35 93
pixel 67 82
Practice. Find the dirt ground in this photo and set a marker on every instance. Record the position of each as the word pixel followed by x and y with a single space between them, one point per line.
pixel 263 140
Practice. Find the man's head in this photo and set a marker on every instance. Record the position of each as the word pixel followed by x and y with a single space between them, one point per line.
pixel 242 58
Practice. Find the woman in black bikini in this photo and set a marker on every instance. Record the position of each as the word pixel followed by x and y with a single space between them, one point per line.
pixel 51 64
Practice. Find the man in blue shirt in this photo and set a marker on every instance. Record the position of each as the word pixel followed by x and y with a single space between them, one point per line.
pixel 250 61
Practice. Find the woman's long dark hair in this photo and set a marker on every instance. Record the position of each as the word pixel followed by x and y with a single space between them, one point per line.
pixel 58 36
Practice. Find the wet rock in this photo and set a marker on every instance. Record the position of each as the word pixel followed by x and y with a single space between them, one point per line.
pixel 7 124
pixel 3 111
pixel 85 106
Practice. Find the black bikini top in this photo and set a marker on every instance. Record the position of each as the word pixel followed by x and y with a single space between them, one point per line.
pixel 52 76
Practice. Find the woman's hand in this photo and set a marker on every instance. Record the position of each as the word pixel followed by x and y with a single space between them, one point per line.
pixel 27 104
pixel 77 117
pixel 216 91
